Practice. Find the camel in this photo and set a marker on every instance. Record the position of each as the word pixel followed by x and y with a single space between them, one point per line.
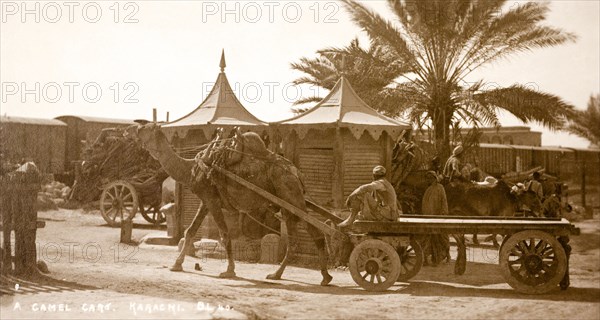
pixel 245 155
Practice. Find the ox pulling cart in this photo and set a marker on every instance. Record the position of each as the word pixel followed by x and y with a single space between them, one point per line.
pixel 533 259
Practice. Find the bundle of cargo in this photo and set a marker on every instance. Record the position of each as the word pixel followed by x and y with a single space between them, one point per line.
pixel 521 176
pixel 53 195
pixel 119 172
pixel 115 155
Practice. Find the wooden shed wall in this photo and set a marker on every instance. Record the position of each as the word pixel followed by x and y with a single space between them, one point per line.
pixel 81 134
pixel 314 156
pixel 323 155
pixel 360 157
pixel 523 158
pixel 187 202
pixel 561 162
pixel 591 160
pixel 317 168
pixel 45 144
pixel 73 140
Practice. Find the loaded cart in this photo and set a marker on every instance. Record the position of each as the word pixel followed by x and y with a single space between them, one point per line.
pixel 534 256
pixel 122 174
pixel 122 199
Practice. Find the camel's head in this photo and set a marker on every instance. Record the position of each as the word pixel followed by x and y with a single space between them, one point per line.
pixel 152 138
pixel 147 132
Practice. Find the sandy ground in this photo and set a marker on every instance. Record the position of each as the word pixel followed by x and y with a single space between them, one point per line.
pixel 92 276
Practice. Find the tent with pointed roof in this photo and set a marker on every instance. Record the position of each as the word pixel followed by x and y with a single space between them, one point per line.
pixel 336 144
pixel 221 108
pixel 343 108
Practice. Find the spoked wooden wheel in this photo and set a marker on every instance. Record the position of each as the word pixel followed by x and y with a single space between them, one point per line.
pixel 411 260
pixel 533 262
pixel 118 201
pixel 152 214
pixel 374 265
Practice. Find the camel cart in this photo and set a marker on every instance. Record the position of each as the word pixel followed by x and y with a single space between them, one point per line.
pixel 533 259
pixel 119 171
pixel 121 199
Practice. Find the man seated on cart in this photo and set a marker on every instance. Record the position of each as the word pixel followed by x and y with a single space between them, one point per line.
pixel 373 201
pixel 454 167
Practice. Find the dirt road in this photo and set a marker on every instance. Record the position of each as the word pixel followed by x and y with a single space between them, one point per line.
pixel 89 270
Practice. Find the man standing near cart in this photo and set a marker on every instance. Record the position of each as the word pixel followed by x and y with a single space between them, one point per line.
pixel 435 203
pixel 17 205
pixel 373 201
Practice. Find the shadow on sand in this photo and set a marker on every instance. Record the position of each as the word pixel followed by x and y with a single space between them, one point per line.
pixel 37 284
pixel 432 281
pixel 143 226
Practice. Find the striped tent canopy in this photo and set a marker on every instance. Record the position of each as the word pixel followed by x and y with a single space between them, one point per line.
pixel 344 108
pixel 221 108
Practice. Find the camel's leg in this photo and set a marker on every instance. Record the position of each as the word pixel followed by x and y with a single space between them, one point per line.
pixel 290 249
pixel 190 232
pixel 320 244
pixel 226 239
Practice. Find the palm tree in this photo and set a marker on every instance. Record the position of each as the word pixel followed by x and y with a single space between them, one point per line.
pixel 586 124
pixel 369 71
pixel 442 42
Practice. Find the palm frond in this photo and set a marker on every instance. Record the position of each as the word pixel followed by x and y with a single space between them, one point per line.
pixel 378 27
pixel 528 105
pixel 305 101
pixel 415 64
pixel 586 124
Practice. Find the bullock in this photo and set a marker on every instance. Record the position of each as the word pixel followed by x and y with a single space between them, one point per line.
pixel 493 200
pixel 470 199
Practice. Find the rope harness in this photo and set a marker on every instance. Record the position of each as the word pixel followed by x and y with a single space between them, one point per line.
pixel 218 154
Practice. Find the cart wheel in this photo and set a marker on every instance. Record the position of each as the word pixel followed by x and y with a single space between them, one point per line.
pixel 411 260
pixel 153 215
pixel 533 262
pixel 118 201
pixel 374 265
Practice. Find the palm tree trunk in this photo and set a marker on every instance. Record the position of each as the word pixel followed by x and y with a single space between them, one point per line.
pixel 441 129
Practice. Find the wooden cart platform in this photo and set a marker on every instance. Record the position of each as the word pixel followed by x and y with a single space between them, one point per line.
pixel 534 257
pixel 413 224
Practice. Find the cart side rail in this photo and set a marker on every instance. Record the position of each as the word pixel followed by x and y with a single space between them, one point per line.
pixel 429 225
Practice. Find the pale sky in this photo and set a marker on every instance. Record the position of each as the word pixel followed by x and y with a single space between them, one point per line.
pixel 167 56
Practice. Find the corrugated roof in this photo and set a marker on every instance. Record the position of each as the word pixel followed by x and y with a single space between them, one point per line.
pixel 343 107
pixel 35 121
pixel 524 147
pixel 502 129
pixel 98 119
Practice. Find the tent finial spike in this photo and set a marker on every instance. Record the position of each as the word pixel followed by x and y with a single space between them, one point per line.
pixel 222 64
